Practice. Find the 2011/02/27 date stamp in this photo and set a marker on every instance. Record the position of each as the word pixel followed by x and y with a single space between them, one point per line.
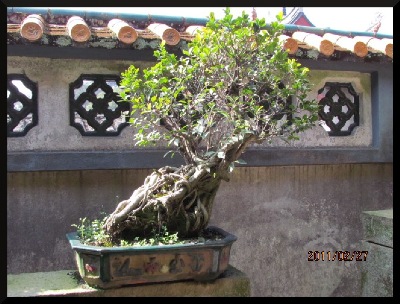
pixel 337 255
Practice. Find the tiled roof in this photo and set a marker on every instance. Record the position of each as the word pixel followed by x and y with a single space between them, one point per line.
pixel 297 16
pixel 145 31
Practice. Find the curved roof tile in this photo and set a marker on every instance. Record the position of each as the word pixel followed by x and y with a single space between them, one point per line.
pixel 23 28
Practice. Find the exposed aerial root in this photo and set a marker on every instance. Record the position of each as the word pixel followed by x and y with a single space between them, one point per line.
pixel 166 195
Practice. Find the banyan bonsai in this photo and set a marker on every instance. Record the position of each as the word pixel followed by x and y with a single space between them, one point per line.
pixel 233 87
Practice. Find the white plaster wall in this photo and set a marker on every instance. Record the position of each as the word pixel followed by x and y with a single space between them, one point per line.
pixel 361 136
pixel 53 132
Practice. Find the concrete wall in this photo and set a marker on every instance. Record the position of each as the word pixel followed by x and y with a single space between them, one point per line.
pixel 278 214
pixel 289 200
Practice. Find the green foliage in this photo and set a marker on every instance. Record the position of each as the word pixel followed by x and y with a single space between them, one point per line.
pixel 162 237
pixel 234 79
pixel 91 233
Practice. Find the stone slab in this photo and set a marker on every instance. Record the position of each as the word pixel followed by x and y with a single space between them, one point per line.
pixel 378 227
pixel 64 283
pixel 377 271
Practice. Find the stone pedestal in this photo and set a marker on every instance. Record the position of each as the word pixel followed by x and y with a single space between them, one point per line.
pixel 377 270
pixel 232 283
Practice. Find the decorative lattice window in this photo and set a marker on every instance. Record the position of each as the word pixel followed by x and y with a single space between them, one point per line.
pixel 22 105
pixel 340 108
pixel 95 107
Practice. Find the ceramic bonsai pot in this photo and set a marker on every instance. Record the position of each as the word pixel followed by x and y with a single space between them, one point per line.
pixel 111 267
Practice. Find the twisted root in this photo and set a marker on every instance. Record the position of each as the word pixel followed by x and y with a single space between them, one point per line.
pixel 166 194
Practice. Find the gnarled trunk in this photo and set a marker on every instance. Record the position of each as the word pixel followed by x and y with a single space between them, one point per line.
pixel 179 198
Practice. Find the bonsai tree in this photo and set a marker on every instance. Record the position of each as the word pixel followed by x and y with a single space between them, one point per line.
pixel 234 86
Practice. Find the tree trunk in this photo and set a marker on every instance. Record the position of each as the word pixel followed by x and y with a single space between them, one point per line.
pixel 179 198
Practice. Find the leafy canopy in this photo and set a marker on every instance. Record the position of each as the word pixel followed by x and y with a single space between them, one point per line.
pixel 234 81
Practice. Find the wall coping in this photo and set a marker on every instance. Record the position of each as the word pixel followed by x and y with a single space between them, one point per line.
pixel 149 159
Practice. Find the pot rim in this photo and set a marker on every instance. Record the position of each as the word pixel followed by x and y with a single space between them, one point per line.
pixel 77 245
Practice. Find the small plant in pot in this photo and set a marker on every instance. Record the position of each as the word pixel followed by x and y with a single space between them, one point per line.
pixel 235 86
